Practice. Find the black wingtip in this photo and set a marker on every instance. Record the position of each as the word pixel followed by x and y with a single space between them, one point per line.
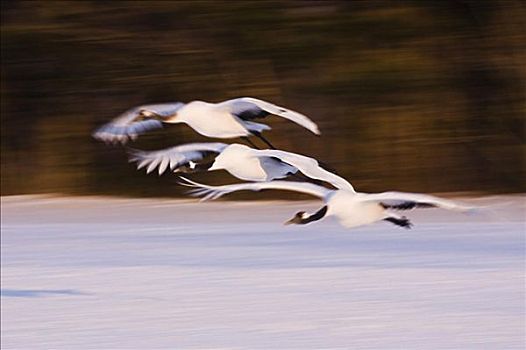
pixel 402 222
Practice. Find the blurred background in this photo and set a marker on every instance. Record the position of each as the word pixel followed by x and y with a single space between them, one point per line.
pixel 409 95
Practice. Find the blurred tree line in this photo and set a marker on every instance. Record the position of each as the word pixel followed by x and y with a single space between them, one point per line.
pixel 409 95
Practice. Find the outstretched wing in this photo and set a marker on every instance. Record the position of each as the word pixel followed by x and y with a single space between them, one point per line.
pixel 308 166
pixel 135 121
pixel 173 157
pixel 405 201
pixel 214 192
pixel 249 108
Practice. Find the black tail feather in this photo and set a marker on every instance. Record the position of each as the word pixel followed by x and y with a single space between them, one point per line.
pixel 262 138
pixel 403 222
pixel 407 205
pixel 249 141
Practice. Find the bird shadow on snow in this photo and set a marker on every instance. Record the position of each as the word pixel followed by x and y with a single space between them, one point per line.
pixel 37 293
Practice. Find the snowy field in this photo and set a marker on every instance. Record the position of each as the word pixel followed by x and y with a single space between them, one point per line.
pixel 103 273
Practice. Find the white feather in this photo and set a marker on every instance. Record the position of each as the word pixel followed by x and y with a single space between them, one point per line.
pixel 213 192
pixel 173 156
pixel 291 115
pixel 400 197
pixel 308 166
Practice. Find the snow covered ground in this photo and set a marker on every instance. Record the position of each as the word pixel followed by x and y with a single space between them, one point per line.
pixel 103 273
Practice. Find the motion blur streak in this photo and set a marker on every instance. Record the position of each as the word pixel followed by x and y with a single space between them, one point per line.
pixel 424 96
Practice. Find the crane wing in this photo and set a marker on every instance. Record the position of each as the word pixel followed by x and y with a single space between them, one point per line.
pixel 135 121
pixel 405 201
pixel 173 157
pixel 214 192
pixel 308 166
pixel 249 106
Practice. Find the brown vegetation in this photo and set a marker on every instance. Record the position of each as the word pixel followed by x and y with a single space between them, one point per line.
pixel 409 95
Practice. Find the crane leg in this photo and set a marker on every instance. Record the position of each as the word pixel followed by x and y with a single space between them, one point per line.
pixel 249 141
pixel 262 138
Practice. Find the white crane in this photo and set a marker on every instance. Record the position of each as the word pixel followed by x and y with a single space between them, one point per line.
pixel 228 119
pixel 239 160
pixel 351 208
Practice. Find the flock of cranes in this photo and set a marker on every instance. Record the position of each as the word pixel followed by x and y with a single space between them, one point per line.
pixel 262 168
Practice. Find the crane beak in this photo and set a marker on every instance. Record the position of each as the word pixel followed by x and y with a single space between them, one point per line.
pixel 171 119
pixel 146 114
pixel 297 219
pixel 185 169
pixel 289 222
